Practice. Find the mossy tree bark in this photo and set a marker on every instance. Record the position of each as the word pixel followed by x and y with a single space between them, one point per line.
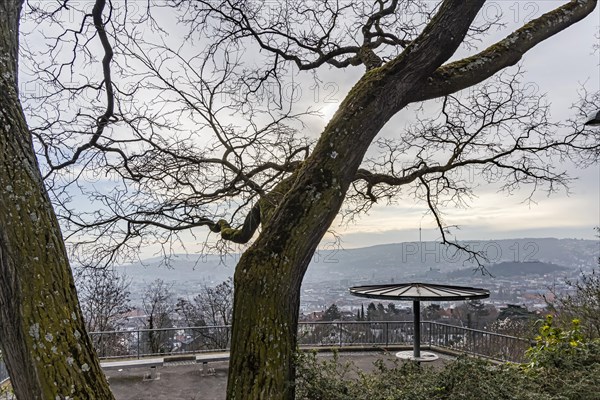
pixel 44 341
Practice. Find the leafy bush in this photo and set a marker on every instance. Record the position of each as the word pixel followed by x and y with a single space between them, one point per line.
pixel 320 380
pixel 464 378
pixel 563 365
pixel 563 348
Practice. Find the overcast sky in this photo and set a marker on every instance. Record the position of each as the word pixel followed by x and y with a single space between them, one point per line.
pixel 558 66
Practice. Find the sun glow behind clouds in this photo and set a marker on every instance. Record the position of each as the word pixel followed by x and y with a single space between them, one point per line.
pixel 328 110
pixel 491 212
pixel 491 215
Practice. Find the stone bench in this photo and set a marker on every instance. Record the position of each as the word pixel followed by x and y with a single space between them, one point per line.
pixel 126 364
pixel 203 359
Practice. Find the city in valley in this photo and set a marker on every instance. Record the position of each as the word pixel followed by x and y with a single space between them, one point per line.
pixel 522 275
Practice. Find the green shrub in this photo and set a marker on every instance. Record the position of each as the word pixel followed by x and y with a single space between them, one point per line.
pixel 566 349
pixel 322 380
pixel 563 366
pixel 564 363
pixel 465 378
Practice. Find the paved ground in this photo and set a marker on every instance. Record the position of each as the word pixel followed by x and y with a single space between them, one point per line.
pixel 188 382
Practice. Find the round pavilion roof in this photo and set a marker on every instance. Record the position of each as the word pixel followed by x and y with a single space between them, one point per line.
pixel 419 292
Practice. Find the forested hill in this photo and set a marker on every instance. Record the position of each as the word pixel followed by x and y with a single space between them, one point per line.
pixel 398 261
pixel 513 269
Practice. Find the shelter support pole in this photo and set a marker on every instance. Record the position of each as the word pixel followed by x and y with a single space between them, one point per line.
pixel 417 329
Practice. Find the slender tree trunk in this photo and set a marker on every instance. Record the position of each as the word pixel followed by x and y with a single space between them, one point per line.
pixel 44 341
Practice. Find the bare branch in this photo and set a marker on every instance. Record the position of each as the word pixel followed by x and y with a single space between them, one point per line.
pixel 467 72
pixel 108 115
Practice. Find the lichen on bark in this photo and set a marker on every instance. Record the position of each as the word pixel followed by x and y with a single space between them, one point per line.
pixel 47 352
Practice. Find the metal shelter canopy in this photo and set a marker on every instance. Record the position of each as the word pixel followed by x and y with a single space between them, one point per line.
pixel 418 292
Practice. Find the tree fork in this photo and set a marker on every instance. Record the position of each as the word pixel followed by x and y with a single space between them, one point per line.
pixel 269 274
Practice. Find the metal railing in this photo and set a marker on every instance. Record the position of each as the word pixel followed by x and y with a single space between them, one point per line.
pixel 171 341
pixel 146 342
pixel 481 343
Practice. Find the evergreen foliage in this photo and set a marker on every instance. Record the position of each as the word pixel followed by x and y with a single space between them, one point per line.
pixel 332 314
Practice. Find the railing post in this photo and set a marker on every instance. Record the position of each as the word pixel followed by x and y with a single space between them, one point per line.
pixel 387 333
pixel 138 344
pixel 446 335
pixel 430 334
pixel 340 326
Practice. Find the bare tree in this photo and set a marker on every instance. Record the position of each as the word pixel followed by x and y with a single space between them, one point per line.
pixel 189 312
pixel 104 297
pixel 212 308
pixel 582 304
pixel 216 303
pixel 181 163
pixel 158 306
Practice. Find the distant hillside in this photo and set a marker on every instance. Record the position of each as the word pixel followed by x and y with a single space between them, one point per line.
pixel 414 259
pixel 200 269
pixel 397 261
pixel 186 274
pixel 513 269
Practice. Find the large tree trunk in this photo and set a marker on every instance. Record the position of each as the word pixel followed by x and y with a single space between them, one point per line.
pixel 44 341
pixel 269 274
